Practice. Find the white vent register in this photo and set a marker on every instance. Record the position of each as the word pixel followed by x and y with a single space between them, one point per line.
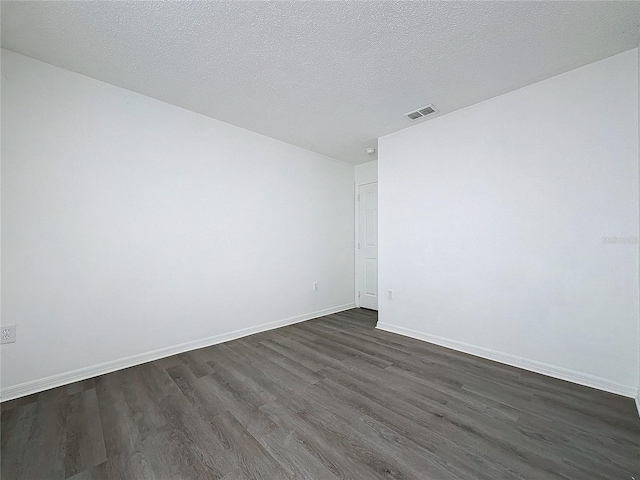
pixel 421 112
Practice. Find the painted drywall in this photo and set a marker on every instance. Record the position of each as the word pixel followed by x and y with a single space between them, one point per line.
pixel 367 173
pixel 497 225
pixel 638 392
pixel 131 226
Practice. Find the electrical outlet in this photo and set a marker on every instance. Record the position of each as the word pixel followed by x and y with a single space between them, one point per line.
pixel 8 334
pixel 390 294
pixel 315 286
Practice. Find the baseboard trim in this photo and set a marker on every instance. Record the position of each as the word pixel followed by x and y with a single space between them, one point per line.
pixel 520 362
pixel 638 401
pixel 35 386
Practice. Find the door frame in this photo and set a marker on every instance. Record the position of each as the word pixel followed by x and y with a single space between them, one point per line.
pixel 356 239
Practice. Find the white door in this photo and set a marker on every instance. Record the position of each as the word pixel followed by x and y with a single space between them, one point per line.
pixel 367 257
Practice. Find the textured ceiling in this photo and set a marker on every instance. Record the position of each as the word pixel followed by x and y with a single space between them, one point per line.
pixel 328 76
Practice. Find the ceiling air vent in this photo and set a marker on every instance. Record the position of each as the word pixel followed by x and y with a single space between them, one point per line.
pixel 421 112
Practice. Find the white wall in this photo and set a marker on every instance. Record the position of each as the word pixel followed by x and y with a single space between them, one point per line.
pixel 367 173
pixel 492 221
pixel 133 226
pixel 638 392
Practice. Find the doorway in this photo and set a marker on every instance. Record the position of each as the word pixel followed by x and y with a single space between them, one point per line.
pixel 367 246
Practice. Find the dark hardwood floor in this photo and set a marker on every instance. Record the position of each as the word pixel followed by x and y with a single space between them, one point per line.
pixel 324 399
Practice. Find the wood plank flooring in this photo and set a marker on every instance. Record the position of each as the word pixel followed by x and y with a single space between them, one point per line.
pixel 330 398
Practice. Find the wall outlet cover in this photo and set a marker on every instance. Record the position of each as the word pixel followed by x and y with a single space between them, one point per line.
pixel 8 334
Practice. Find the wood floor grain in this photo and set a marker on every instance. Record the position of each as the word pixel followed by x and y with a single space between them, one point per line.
pixel 331 398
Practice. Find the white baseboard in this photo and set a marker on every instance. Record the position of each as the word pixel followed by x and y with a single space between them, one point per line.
pixel 638 401
pixel 520 362
pixel 34 386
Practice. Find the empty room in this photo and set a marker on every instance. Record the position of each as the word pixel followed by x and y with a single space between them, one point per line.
pixel 320 240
